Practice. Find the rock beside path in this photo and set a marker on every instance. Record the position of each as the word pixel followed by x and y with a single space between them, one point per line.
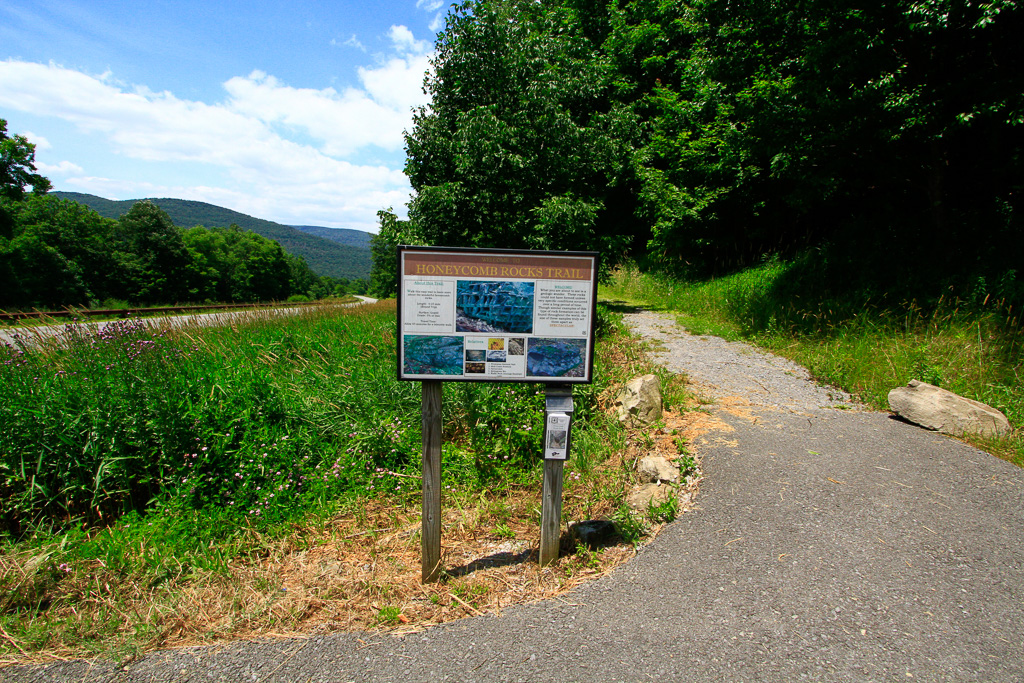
pixel 639 402
pixel 943 411
pixel 647 495
pixel 653 469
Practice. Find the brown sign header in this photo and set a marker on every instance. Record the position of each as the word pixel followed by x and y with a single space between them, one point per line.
pixel 502 267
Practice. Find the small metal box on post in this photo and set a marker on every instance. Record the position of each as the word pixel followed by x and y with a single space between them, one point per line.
pixel 558 408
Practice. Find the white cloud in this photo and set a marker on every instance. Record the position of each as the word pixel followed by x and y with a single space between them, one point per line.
pixel 39 141
pixel 403 41
pixel 285 153
pixel 352 119
pixel 437 23
pixel 398 84
pixel 343 122
pixel 60 168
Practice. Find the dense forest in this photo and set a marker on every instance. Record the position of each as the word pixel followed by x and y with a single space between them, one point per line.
pixel 877 145
pixel 333 252
pixel 55 252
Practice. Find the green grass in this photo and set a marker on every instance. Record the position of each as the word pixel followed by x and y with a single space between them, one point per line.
pixel 969 344
pixel 139 462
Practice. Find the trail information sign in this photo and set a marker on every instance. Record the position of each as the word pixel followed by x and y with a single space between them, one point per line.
pixel 496 315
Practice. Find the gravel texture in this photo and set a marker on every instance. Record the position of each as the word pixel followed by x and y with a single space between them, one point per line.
pixel 723 369
pixel 828 544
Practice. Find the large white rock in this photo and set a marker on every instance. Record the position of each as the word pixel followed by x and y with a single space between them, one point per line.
pixel 935 408
pixel 639 402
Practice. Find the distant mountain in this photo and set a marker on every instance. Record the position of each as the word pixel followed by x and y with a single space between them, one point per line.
pixel 353 238
pixel 333 257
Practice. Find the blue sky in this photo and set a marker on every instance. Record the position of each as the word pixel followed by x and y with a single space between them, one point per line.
pixel 292 111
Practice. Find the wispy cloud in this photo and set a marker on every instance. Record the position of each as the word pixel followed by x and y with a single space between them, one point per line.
pixel 39 141
pixel 60 168
pixel 437 23
pixel 351 42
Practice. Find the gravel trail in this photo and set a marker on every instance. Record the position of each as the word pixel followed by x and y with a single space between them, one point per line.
pixel 723 369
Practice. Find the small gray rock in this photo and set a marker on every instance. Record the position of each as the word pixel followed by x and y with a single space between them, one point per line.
pixel 655 468
pixel 934 408
pixel 640 499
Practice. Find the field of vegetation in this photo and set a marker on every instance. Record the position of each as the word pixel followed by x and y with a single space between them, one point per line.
pixel 179 486
pixel 970 344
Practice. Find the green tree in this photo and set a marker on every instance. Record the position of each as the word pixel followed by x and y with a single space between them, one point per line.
pixel 770 126
pixel 231 264
pixel 384 255
pixel 301 278
pixel 520 146
pixel 153 260
pixel 210 265
pixel 62 253
pixel 17 171
pixel 17 166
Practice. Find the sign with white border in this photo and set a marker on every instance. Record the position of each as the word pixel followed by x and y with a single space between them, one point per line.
pixel 496 315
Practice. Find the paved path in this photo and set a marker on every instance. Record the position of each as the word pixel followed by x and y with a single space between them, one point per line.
pixel 33 334
pixel 829 544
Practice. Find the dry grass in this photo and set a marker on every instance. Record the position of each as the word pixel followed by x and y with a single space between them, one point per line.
pixel 359 572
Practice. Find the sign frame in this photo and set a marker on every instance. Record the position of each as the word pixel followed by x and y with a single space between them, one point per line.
pixel 546 304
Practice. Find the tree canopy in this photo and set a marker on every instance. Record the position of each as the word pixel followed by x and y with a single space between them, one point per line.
pixel 700 136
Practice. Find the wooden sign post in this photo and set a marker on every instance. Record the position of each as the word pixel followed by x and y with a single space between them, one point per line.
pixel 558 409
pixel 430 532
pixel 495 315
pixel 551 512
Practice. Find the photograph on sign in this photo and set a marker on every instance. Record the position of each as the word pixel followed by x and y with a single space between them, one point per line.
pixel 432 355
pixel 493 306
pixel 496 315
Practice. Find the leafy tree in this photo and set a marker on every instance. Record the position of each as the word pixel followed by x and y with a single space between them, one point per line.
pixel 520 146
pixel 777 125
pixel 153 258
pixel 714 132
pixel 60 254
pixel 384 254
pixel 17 171
pixel 231 264
pixel 358 286
pixel 210 264
pixel 17 166
pixel 301 278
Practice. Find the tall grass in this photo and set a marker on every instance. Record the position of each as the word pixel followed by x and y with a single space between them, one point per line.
pixel 970 344
pixel 260 420
pixel 138 465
